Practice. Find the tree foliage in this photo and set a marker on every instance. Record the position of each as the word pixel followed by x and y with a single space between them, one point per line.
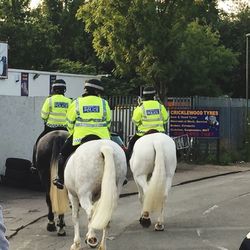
pixel 233 30
pixel 203 63
pixel 155 41
pixel 37 37
pixel 182 47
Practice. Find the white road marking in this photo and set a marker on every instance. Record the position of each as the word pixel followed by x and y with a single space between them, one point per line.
pixel 198 231
pixel 210 209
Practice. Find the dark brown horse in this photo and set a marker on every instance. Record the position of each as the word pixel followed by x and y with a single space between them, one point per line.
pixel 46 153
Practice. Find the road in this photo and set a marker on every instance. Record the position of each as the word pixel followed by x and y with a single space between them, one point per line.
pixel 202 215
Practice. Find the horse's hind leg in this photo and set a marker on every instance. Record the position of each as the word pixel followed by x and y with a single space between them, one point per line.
pixel 159 226
pixel 51 227
pixel 86 204
pixel 75 218
pixel 103 242
pixel 61 225
pixel 141 182
pixel 140 192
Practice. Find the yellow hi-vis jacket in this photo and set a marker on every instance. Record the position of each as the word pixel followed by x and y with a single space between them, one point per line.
pixel 150 115
pixel 54 110
pixel 88 115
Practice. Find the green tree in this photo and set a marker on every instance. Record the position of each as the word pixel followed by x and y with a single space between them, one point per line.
pixel 73 42
pixel 233 29
pixel 144 38
pixel 67 66
pixel 203 63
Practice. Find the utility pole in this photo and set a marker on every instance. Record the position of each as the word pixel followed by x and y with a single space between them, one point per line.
pixel 247 35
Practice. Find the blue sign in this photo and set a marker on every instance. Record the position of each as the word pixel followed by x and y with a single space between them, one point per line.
pixel 153 112
pixel 194 123
pixel 61 105
pixel 91 109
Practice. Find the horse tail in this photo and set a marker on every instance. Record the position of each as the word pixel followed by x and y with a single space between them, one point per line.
pixel 155 192
pixel 59 198
pixel 104 207
pixel 57 144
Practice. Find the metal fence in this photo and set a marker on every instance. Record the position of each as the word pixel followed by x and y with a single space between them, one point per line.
pixel 232 120
pixel 232 125
pixel 122 110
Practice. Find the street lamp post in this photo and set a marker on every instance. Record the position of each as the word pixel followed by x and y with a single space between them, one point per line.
pixel 247 35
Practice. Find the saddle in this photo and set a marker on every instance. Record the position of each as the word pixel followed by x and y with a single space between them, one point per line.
pixel 151 131
pixel 90 138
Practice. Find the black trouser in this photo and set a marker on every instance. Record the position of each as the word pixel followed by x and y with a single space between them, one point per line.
pixel 67 149
pixel 45 131
pixel 131 144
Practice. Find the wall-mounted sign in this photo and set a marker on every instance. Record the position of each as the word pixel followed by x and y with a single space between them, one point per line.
pixel 52 78
pixel 178 103
pixel 24 84
pixel 3 60
pixel 194 123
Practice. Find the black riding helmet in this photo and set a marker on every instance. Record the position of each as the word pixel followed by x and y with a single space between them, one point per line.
pixel 93 87
pixel 59 86
pixel 149 93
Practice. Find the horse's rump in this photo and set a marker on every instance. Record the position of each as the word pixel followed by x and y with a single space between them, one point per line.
pixel 48 147
pixel 144 152
pixel 88 161
pixel 96 171
pixel 154 154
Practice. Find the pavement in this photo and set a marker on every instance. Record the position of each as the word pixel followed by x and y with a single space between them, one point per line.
pixel 23 207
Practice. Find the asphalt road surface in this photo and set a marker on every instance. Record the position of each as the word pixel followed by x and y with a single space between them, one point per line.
pixel 210 214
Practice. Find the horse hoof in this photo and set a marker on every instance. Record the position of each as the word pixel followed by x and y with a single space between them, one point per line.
pixel 76 246
pixel 61 232
pixel 61 224
pixel 92 242
pixel 159 227
pixel 51 227
pixel 145 222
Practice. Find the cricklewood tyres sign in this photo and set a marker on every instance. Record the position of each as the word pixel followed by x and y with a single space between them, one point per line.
pixel 194 123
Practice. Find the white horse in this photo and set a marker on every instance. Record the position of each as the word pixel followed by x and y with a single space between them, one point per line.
pixel 153 165
pixel 94 175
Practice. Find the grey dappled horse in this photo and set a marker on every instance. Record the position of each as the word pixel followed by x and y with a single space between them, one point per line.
pixel 94 175
pixel 153 165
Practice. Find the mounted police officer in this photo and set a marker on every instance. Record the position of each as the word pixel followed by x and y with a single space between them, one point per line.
pixel 88 118
pixel 54 111
pixel 150 115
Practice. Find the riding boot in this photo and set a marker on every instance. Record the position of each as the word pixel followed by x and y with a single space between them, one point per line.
pixel 59 181
pixel 130 148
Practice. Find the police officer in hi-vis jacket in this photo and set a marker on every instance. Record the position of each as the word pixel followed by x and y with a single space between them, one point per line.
pixel 88 118
pixel 149 115
pixel 53 112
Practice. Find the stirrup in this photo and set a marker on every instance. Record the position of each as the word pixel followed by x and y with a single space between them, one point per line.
pixel 58 184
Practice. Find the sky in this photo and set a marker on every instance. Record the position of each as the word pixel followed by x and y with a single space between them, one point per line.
pixel 225 5
pixel 34 3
